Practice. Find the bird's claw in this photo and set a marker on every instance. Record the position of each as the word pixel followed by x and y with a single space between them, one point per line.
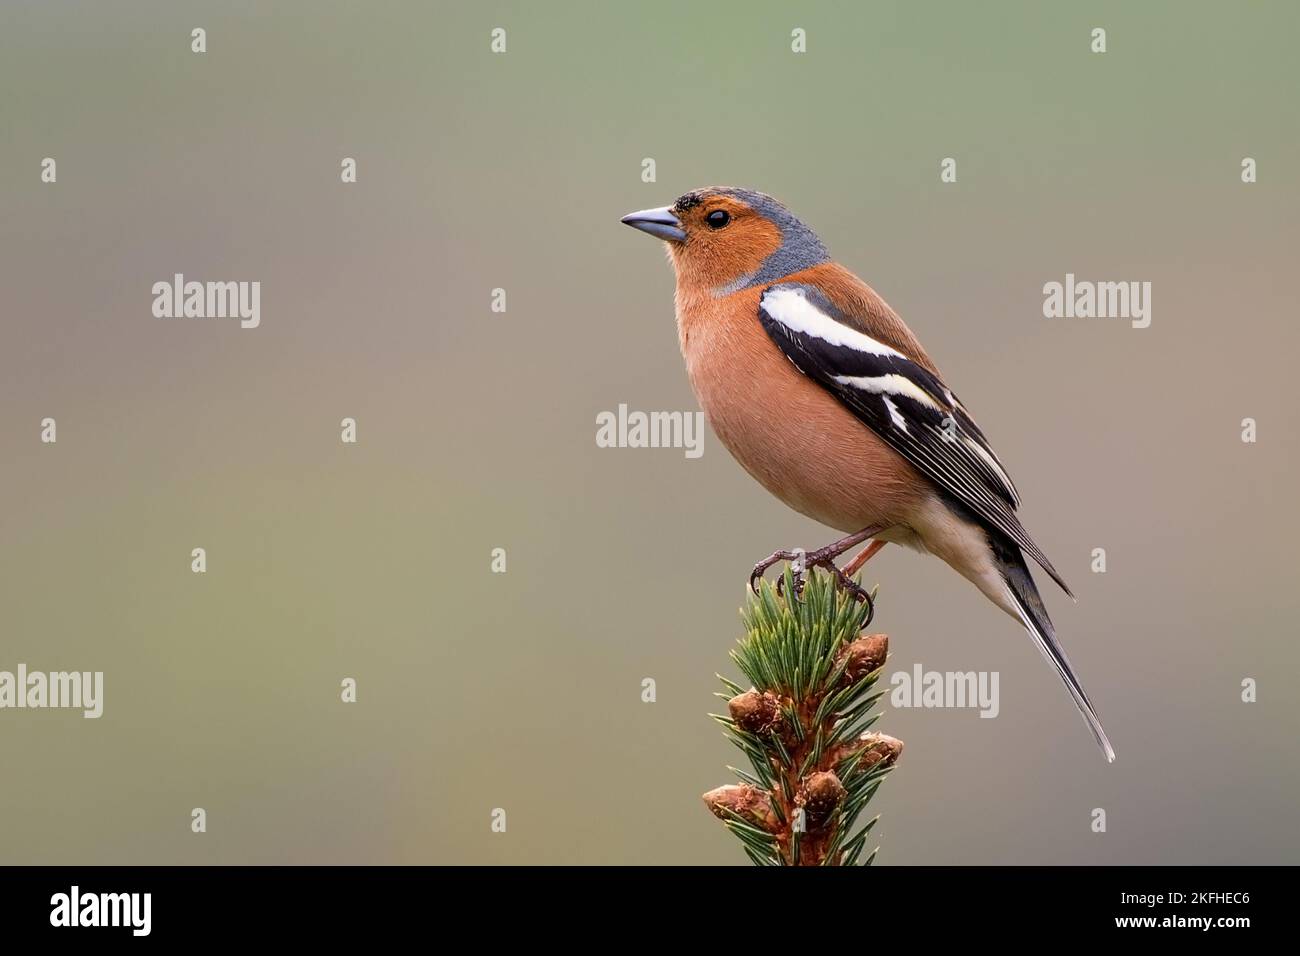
pixel 796 557
pixel 801 561
pixel 855 590
pixel 796 580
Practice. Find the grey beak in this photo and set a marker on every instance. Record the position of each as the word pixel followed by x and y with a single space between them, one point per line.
pixel 660 223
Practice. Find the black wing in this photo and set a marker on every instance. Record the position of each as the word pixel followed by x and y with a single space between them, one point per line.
pixel 902 402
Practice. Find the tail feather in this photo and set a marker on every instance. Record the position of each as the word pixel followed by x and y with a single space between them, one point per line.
pixel 1024 595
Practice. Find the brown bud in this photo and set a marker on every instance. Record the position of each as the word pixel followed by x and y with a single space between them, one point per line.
pixel 878 750
pixel 864 655
pixel 750 803
pixel 820 795
pixel 755 712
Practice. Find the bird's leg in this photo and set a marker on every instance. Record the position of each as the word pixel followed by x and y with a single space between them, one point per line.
pixel 821 558
pixel 845 574
pixel 865 555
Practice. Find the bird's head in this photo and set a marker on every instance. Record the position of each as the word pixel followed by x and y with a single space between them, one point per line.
pixel 730 239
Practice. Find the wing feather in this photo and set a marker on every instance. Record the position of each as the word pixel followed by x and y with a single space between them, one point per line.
pixel 905 404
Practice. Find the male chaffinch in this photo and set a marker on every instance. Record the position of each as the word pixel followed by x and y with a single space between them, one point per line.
pixel 823 394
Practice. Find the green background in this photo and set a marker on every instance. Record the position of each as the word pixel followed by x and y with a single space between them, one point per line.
pixel 477 430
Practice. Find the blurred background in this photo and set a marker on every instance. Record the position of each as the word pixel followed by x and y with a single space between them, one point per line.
pixel 476 430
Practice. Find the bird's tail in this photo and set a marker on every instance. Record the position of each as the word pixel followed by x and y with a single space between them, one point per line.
pixel 1024 596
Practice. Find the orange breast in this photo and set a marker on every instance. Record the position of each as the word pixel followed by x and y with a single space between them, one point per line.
pixel 787 431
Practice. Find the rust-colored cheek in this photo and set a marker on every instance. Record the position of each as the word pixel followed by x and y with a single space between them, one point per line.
pixel 745 252
pixel 715 260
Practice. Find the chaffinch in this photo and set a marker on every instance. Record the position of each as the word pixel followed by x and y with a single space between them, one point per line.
pixel 823 394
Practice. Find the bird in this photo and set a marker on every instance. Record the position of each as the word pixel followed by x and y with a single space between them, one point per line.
pixel 824 396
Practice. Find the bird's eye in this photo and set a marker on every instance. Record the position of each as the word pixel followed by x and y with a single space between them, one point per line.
pixel 718 218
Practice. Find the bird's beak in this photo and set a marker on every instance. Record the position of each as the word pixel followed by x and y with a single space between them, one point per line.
pixel 660 223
